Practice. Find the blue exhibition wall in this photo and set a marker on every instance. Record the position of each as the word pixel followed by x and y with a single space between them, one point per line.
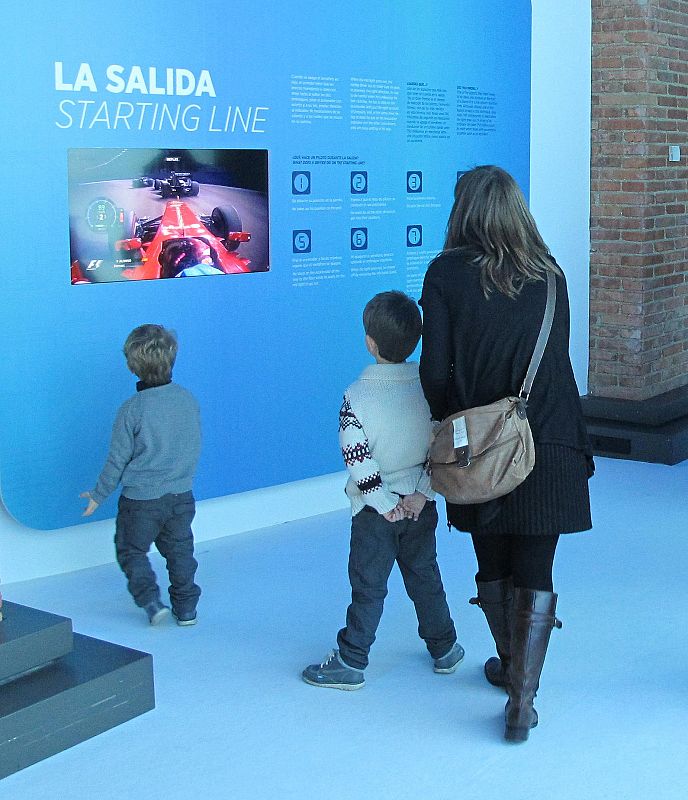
pixel 334 137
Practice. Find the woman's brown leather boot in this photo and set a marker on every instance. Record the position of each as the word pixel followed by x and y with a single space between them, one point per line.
pixel 533 620
pixel 496 600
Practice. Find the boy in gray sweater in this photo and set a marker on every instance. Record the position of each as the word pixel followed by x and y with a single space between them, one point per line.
pixel 156 442
pixel 384 433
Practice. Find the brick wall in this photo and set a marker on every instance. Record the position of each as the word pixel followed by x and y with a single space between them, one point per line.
pixel 639 200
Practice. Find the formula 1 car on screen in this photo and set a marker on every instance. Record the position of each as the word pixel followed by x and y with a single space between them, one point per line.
pixel 138 246
pixel 179 184
pixel 177 181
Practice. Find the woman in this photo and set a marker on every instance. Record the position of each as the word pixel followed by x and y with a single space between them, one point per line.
pixel 483 302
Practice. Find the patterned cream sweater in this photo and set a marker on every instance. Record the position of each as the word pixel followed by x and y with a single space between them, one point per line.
pixel 384 433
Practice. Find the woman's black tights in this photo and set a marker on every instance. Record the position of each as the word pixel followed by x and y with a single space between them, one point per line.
pixel 527 559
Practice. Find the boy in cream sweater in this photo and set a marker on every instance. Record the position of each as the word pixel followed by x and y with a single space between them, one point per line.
pixel 384 432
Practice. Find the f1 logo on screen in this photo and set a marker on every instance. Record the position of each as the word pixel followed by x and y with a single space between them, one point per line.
pixel 285 191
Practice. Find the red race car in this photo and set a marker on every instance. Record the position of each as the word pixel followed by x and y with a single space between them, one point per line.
pixel 138 245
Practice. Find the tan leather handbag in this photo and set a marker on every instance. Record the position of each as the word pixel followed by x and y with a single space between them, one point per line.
pixel 485 452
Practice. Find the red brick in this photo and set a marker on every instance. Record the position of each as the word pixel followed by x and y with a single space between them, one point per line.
pixel 639 329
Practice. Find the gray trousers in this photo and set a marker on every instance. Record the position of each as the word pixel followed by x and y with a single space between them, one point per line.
pixel 375 545
pixel 165 522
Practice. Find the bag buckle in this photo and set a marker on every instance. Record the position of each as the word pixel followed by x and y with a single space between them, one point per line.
pixel 522 407
pixel 463 457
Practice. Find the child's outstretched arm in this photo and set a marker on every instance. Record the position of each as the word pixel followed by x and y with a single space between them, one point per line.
pixel 120 454
pixel 362 467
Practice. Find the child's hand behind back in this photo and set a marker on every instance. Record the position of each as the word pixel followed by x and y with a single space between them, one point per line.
pixel 413 504
pixel 396 514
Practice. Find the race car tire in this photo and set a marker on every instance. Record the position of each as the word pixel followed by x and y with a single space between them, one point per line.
pixel 195 188
pixel 223 221
pixel 165 190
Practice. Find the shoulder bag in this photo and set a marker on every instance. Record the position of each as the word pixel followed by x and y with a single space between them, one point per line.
pixel 485 452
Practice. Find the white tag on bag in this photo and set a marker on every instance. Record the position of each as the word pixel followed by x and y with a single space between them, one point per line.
pixel 460 433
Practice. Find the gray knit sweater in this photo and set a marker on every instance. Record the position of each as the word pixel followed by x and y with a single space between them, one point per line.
pixel 156 442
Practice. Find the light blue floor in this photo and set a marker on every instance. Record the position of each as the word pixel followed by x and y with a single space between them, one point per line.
pixel 234 720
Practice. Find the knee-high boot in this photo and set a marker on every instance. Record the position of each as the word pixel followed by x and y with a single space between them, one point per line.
pixel 533 620
pixel 496 600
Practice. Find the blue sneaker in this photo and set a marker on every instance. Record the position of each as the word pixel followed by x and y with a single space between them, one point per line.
pixel 185 617
pixel 156 611
pixel 333 673
pixel 451 661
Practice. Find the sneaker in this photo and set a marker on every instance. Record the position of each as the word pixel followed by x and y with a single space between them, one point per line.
pixel 185 617
pixel 333 673
pixel 451 661
pixel 156 611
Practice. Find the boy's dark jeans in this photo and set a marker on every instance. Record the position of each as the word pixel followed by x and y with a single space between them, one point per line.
pixel 167 523
pixel 375 545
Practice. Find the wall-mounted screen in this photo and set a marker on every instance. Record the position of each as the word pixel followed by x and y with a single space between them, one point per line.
pixel 138 214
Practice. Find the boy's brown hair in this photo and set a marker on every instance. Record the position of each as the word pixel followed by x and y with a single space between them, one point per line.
pixel 151 351
pixel 392 320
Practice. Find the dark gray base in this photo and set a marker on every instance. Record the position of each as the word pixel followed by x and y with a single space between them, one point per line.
pixel 654 411
pixel 30 639
pixel 97 686
pixel 644 430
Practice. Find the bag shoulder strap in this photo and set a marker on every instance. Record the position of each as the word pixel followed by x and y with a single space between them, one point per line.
pixel 543 336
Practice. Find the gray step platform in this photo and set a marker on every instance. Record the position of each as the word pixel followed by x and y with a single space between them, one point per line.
pixel 653 430
pixel 95 687
pixel 30 639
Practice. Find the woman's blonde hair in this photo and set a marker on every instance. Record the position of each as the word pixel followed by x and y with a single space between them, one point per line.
pixel 491 225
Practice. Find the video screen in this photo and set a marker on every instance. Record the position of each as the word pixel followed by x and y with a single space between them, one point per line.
pixel 143 214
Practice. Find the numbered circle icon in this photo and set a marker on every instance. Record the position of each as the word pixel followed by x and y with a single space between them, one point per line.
pixel 301 241
pixel 414 235
pixel 300 182
pixel 414 182
pixel 359 182
pixel 359 238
